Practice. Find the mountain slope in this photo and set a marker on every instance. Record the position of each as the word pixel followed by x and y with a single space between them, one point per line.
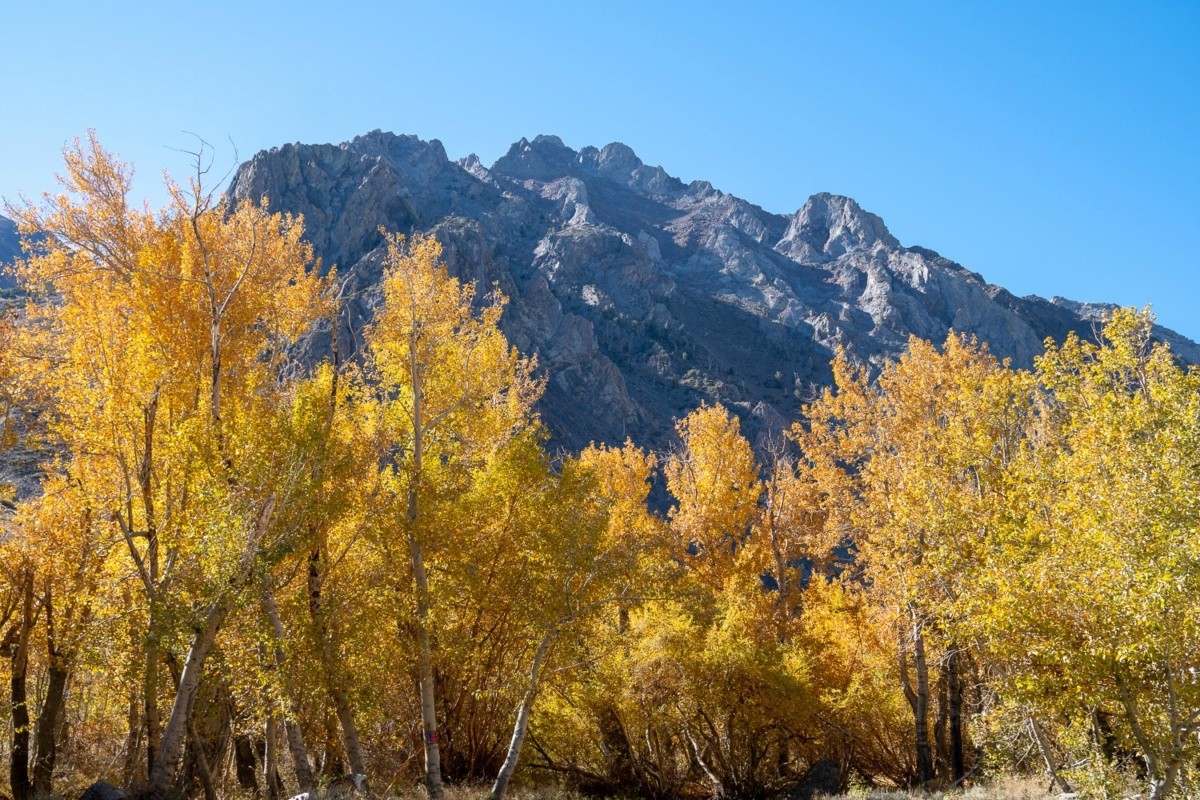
pixel 10 250
pixel 642 296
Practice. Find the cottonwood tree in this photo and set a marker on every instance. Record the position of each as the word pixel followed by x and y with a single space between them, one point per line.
pixel 918 460
pixel 169 329
pixel 451 392
pixel 1090 602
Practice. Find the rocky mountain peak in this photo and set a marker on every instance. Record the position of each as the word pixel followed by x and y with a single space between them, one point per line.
pixel 641 296
pixel 616 159
pixel 545 157
pixel 399 148
pixel 828 226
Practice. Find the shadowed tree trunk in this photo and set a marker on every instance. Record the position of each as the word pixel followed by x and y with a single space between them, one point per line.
pixel 245 765
pixel 50 721
pixel 918 699
pixel 954 691
pixel 271 761
pixel 46 733
pixel 18 770
pixel 295 738
pixel 333 678
pixel 132 738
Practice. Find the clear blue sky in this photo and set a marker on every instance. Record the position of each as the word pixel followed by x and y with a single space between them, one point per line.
pixel 1053 147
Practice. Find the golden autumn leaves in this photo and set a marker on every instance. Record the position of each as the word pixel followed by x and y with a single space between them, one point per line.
pixel 244 574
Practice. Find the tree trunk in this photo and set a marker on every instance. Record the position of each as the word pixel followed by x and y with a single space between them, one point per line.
pixel 522 723
pixel 1039 737
pixel 1161 775
pixel 295 737
pixel 171 746
pixel 433 756
pixel 200 764
pixel 245 765
pixel 46 733
pixel 941 740
pixel 271 761
pixel 433 763
pixel 341 702
pixel 345 713
pixel 132 739
pixel 18 770
pixel 918 699
pixel 618 756
pixel 958 766
pixel 150 702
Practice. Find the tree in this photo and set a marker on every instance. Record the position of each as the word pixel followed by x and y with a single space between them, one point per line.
pixel 162 421
pixel 1090 597
pixel 918 461
pixel 714 479
pixel 452 391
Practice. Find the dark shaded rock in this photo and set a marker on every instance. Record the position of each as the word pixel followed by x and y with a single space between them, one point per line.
pixel 10 250
pixel 823 778
pixel 103 791
pixel 642 296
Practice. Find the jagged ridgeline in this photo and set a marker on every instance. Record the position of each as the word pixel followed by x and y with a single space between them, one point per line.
pixel 641 295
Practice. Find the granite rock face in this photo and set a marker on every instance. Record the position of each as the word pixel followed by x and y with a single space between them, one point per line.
pixel 642 296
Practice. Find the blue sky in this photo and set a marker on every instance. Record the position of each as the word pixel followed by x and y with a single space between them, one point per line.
pixel 1052 147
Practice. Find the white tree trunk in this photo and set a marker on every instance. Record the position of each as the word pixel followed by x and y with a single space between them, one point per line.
pixel 295 737
pixel 518 737
pixel 170 750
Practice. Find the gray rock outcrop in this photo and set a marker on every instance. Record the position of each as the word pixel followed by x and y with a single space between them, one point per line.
pixel 642 296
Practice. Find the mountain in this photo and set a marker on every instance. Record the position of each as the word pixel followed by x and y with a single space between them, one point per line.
pixel 10 250
pixel 640 295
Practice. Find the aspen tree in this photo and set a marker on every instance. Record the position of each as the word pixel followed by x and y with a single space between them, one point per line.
pixel 918 460
pixel 1090 598
pixel 452 391
pixel 169 329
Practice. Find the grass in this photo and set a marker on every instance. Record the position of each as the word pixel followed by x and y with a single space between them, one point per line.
pixel 1003 789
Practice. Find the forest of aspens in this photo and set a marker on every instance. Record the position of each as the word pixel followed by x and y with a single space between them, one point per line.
pixel 245 574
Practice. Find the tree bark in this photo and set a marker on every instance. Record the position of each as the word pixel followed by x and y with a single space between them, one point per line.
pixel 171 747
pixel 174 734
pixel 245 765
pixel 271 761
pixel 341 702
pixel 1039 737
pixel 50 720
pixel 522 724
pixel 132 739
pixel 433 756
pixel 1160 775
pixel 918 699
pixel 150 700
pixel 295 737
pixel 18 771
pixel 200 763
pixel 46 733
pixel 954 689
